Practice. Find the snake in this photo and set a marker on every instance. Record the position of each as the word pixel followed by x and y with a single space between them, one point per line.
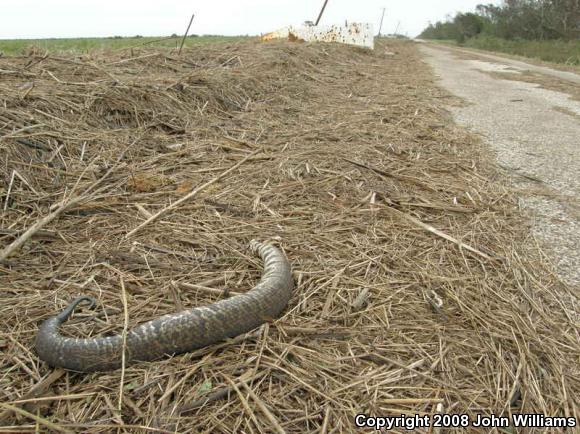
pixel 175 333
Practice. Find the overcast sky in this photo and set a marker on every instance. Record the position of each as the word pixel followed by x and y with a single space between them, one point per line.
pixel 85 18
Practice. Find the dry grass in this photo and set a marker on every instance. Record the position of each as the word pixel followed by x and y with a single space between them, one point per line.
pixel 417 280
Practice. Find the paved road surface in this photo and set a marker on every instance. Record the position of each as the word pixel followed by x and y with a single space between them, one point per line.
pixel 536 135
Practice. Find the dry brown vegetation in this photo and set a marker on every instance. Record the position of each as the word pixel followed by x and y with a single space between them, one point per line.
pixel 419 288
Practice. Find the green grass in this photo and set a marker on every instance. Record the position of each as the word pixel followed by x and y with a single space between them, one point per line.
pixel 564 52
pixel 83 45
pixel 444 41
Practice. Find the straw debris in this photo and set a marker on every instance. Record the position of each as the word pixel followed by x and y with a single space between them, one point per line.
pixel 419 286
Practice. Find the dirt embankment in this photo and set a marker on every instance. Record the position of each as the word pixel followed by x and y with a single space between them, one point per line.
pixel 417 281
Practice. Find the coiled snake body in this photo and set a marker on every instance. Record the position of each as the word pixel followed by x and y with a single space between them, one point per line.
pixel 173 333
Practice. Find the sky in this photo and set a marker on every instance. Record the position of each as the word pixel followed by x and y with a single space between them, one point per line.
pixel 90 18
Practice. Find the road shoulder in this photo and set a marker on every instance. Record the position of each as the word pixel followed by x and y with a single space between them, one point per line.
pixel 534 133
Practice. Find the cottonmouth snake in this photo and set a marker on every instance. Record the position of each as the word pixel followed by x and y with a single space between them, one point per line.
pixel 173 333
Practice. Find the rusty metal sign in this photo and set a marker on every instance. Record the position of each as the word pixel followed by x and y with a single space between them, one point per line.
pixel 360 34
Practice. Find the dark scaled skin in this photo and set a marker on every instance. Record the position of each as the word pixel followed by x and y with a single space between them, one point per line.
pixel 174 333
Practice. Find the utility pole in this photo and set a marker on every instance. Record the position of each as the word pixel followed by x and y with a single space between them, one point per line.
pixel 381 25
pixel 321 12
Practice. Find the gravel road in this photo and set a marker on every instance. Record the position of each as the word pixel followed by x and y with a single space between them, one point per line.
pixel 535 134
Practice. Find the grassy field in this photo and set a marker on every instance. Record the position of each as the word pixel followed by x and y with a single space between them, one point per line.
pixel 564 52
pixel 82 45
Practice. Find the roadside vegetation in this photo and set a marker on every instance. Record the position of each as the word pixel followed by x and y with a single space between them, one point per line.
pixel 557 51
pixel 83 45
pixel 543 29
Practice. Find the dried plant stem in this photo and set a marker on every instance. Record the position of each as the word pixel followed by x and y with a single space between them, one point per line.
pixel 439 233
pixel 29 233
pixel 275 424
pixel 191 194
pixel 37 389
pixel 38 419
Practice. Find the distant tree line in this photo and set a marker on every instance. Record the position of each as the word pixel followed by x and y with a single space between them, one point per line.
pixel 514 19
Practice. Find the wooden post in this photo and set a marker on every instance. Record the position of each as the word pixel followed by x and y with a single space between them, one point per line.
pixel 185 35
pixel 321 12
pixel 381 25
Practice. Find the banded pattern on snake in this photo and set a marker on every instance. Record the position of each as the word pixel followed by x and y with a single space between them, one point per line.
pixel 173 333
